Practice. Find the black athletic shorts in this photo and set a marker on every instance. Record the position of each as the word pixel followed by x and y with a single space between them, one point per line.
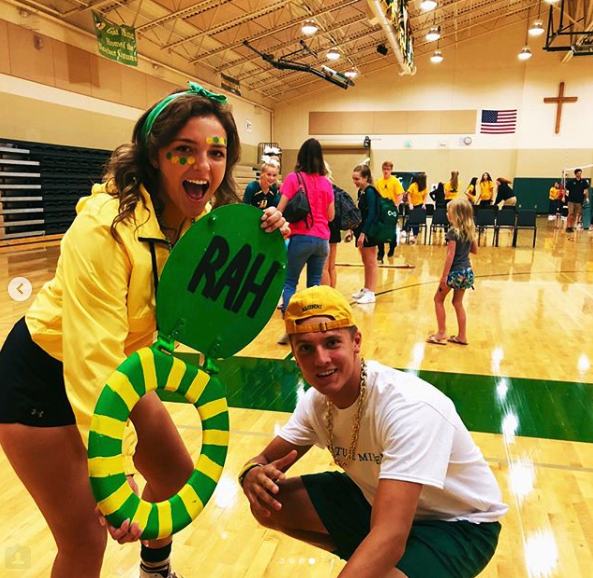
pixel 32 390
pixel 335 235
pixel 368 242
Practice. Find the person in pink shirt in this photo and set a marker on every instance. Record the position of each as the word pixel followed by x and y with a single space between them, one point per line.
pixel 309 238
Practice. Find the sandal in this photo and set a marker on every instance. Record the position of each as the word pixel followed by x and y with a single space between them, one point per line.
pixel 436 341
pixel 453 339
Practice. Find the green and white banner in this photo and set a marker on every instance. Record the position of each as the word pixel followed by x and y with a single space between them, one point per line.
pixel 116 42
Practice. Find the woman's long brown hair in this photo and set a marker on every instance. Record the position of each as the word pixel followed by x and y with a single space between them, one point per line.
pixel 130 166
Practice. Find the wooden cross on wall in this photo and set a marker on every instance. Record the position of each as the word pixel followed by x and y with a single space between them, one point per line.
pixel 559 101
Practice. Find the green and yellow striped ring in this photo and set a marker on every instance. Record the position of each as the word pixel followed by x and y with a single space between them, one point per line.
pixel 149 369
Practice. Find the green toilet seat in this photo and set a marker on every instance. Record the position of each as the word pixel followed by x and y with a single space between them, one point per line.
pixel 217 291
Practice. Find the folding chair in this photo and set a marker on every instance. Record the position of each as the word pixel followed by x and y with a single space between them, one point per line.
pixel 525 220
pixel 439 219
pixel 417 218
pixel 505 220
pixel 484 218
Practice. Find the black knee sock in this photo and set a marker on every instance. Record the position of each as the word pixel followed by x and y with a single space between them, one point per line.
pixel 156 560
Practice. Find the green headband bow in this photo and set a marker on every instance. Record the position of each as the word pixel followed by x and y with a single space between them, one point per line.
pixel 194 88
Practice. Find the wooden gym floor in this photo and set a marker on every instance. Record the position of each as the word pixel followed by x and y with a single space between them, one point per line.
pixel 524 387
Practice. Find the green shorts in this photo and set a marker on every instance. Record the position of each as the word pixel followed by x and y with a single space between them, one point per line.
pixel 435 549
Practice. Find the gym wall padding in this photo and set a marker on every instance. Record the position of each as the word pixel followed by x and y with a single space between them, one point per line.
pixel 533 193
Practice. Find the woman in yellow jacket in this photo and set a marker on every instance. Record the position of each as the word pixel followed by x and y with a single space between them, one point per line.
pixel 97 310
pixel 486 190
pixel 452 187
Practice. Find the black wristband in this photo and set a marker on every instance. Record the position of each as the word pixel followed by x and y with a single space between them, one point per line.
pixel 247 468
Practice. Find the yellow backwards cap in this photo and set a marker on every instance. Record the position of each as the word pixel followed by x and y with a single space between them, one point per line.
pixel 318 301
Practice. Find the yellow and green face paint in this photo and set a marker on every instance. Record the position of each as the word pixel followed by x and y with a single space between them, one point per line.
pixel 219 140
pixel 175 159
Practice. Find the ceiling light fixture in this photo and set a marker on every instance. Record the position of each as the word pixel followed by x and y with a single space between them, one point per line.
pixel 333 54
pixel 434 33
pixel 351 73
pixel 428 5
pixel 309 28
pixel 437 57
pixel 537 28
pixel 525 53
pixel 552 1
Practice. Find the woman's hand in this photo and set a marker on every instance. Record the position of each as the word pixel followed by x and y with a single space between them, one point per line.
pixel 261 484
pixel 272 219
pixel 126 532
pixel 443 283
pixel 360 243
pixel 285 230
pixel 348 236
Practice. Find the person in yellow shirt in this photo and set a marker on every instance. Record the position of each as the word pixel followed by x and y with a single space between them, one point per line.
pixel 100 308
pixel 452 187
pixel 555 196
pixel 417 193
pixel 486 190
pixel 389 187
pixel 470 192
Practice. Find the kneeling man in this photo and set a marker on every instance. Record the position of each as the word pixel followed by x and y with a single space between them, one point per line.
pixel 416 498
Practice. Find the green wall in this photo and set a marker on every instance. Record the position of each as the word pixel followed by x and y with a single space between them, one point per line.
pixel 533 193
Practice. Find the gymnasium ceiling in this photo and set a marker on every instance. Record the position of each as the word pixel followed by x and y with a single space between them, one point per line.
pixel 207 36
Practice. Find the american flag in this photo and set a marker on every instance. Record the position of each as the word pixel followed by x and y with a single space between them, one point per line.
pixel 499 121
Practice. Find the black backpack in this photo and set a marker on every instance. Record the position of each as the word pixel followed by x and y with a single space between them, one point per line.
pixel 347 213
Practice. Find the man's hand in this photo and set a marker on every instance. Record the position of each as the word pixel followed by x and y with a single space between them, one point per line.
pixel 361 238
pixel 260 484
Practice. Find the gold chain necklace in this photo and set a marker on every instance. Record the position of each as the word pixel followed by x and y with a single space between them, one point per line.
pixel 357 418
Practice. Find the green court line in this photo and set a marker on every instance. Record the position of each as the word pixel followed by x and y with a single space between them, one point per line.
pixel 540 408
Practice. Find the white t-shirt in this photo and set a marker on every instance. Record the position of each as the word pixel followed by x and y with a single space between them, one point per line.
pixel 410 431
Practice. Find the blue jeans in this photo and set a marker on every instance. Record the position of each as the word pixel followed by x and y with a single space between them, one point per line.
pixel 304 250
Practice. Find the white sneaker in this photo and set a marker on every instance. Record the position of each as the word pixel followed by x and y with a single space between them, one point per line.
pixel 412 240
pixel 359 294
pixel 368 297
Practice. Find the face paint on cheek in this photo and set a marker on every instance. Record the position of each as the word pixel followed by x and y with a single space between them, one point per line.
pixel 219 140
pixel 180 159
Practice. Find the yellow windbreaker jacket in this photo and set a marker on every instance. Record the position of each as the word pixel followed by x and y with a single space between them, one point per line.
pixel 100 306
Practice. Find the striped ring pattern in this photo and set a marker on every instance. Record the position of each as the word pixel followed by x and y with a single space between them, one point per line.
pixel 147 370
